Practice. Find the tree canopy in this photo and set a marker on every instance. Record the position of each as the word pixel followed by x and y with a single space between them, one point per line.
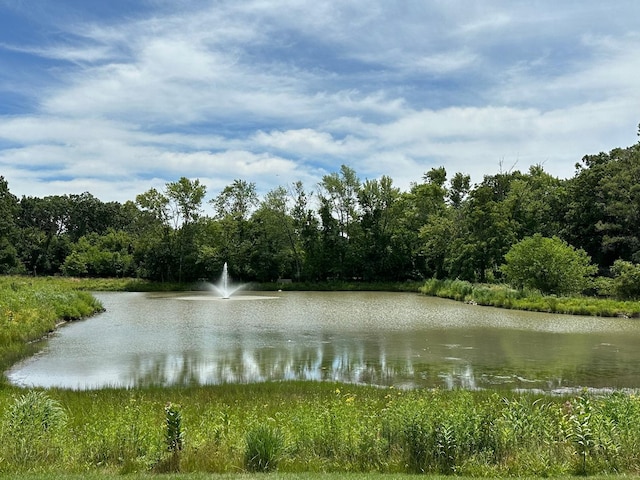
pixel 346 228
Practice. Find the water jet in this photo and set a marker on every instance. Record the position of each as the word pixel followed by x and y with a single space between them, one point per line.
pixel 224 288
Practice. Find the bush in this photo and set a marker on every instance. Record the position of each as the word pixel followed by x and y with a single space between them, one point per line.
pixel 549 265
pixel 626 281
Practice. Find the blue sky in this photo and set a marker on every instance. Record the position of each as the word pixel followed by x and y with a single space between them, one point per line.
pixel 116 97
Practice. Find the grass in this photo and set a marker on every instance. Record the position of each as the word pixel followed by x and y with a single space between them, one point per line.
pixel 308 427
pixel 503 296
pixel 32 307
pixel 272 476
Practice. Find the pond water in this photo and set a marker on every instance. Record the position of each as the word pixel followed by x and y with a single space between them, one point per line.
pixel 400 339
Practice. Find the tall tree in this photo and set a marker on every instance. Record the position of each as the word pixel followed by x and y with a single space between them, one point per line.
pixel 44 239
pixel 169 252
pixel 338 195
pixel 233 207
pixel 536 203
pixel 604 209
pixel 423 205
pixel 378 200
pixel 486 232
pixel 275 245
pixel 154 250
pixel 8 210
pixel 460 186
pixel 236 200
pixel 185 201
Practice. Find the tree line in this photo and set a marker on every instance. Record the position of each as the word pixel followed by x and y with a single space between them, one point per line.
pixel 344 228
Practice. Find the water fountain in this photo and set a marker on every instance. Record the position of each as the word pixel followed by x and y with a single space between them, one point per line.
pixel 224 288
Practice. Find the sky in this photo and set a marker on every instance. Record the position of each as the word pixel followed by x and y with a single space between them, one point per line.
pixel 117 97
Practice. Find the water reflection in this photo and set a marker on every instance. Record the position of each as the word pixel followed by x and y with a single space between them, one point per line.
pixel 381 339
pixel 246 366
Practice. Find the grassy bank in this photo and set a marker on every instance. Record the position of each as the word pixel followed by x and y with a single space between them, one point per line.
pixel 31 307
pixel 505 297
pixel 317 427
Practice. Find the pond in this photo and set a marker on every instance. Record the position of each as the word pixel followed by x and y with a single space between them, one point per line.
pixel 400 339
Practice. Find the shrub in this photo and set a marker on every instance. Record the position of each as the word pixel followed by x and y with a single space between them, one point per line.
pixel 548 264
pixel 626 281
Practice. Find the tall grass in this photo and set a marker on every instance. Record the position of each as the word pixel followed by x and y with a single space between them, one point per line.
pixel 505 297
pixel 319 427
pixel 31 307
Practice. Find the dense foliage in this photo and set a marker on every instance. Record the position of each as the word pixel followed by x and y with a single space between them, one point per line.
pixel 346 229
pixel 549 265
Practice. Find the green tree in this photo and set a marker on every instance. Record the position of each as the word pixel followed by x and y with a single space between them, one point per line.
pixel 424 204
pixel 185 201
pixel 604 206
pixel 436 236
pixel 233 207
pixel 626 280
pixel 276 251
pixel 8 211
pixel 340 218
pixel 236 201
pixel 154 252
pixel 459 189
pixel 536 203
pixel 485 231
pixel 108 255
pixel 378 202
pixel 549 265
pixel 43 241
pixel 168 250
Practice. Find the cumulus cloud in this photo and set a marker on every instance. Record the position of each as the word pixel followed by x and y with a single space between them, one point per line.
pixel 274 91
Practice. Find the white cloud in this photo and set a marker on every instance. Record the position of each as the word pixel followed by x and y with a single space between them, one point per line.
pixel 283 90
